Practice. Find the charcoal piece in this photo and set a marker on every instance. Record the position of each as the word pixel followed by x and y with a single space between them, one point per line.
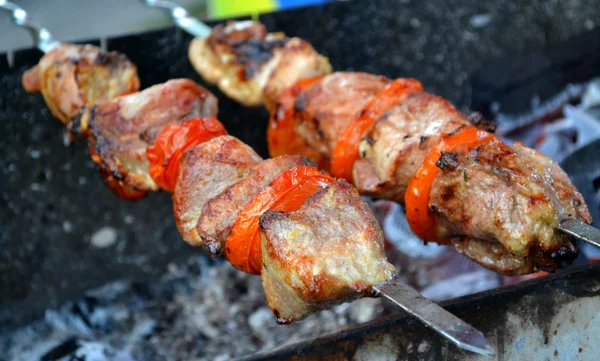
pixel 66 348
pixel 513 82
pixel 3 65
pixel 142 290
pixel 84 309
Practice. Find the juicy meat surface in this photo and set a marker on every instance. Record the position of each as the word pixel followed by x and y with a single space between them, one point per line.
pixel 205 172
pixel 220 212
pixel 508 196
pixel 494 256
pixel 327 252
pixel 399 142
pixel 122 128
pixel 72 77
pixel 248 63
pixel 325 108
pixel 298 60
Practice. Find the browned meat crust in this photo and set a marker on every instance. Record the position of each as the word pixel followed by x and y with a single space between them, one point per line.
pixel 514 195
pixel 72 77
pixel 325 108
pixel 206 171
pixel 116 125
pixel 249 64
pixel 328 252
pixel 399 142
pixel 220 212
pixel 494 256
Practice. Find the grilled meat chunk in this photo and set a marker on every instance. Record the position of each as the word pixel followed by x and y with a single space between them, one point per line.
pixel 328 252
pixel 325 108
pixel 220 212
pixel 494 256
pixel 253 66
pixel 207 170
pixel 509 196
pixel 399 142
pixel 72 77
pixel 122 128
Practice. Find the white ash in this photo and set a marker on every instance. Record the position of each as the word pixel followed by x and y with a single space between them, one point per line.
pixel 67 226
pixel 576 124
pixel 104 237
pixel 197 311
pixel 480 20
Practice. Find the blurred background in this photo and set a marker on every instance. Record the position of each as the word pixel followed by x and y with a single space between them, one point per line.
pixel 107 18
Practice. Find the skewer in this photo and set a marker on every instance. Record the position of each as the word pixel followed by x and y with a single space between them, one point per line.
pixel 446 324
pixel 582 231
pixel 41 36
pixel 441 321
pixel 181 18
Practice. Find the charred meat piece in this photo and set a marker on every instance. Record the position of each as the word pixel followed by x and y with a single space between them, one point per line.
pixel 508 196
pixel 220 212
pixel 206 171
pixel 72 77
pixel 328 252
pixel 253 66
pixel 122 128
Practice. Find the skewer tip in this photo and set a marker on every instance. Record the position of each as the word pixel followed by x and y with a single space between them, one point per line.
pixel 582 231
pixel 441 321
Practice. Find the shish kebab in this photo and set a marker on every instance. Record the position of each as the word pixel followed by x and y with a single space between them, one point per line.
pixel 509 208
pixel 166 137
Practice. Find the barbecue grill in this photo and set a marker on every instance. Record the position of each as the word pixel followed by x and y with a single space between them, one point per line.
pixel 63 234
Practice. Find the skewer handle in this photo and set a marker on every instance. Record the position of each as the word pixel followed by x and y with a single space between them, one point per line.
pixel 441 321
pixel 182 18
pixel 41 36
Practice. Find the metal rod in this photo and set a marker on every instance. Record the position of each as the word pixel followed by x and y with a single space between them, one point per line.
pixel 441 321
pixel 581 231
pixel 41 36
pixel 181 18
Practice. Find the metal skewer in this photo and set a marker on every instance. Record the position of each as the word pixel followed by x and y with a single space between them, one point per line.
pixel 181 18
pixel 42 37
pixel 441 321
pixel 582 231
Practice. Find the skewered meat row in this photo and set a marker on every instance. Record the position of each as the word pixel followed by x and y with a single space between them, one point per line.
pixel 314 242
pixel 502 241
pixel 219 178
pixel 497 204
pixel 253 66
pixel 73 77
